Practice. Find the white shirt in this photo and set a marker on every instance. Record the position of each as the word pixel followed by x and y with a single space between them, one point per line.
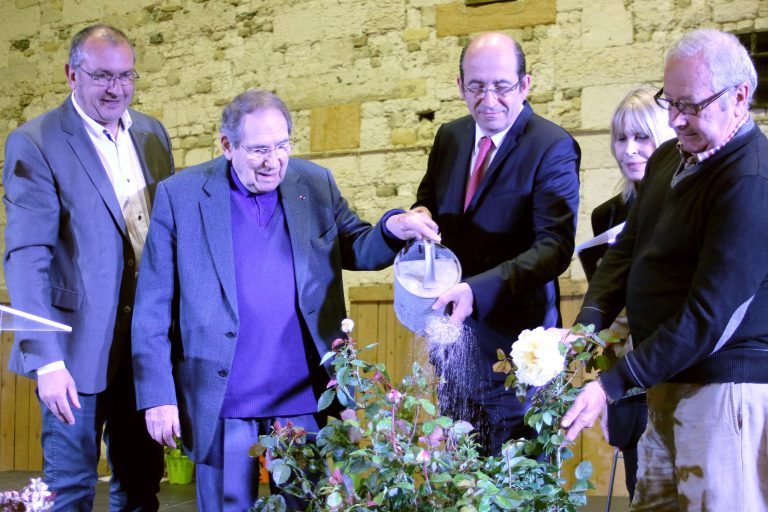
pixel 121 161
pixel 497 140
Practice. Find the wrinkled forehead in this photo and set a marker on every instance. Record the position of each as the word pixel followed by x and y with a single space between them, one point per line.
pixel 489 65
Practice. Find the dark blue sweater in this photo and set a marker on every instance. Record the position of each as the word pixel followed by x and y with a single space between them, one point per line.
pixel 691 266
pixel 270 375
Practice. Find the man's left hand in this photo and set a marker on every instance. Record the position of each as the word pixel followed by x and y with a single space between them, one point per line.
pixel 413 224
pixel 461 297
pixel 584 411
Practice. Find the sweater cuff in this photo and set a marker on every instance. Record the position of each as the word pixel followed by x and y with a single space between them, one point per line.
pixel 617 381
pixel 590 315
pixel 392 241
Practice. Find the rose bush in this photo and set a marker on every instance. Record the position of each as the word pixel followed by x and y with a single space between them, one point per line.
pixel 392 451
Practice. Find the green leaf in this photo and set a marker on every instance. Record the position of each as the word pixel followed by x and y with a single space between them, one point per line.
pixel 603 363
pixel 510 381
pixel 342 377
pixel 500 355
pixel 440 478
pixel 583 470
pixel 343 398
pixel 428 406
pixel 280 473
pixel 326 399
pixel 504 502
pixel 327 357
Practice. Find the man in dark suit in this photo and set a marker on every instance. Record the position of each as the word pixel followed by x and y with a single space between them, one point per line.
pixel 79 182
pixel 509 215
pixel 240 293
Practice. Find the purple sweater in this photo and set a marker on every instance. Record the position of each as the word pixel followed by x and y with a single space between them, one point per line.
pixel 269 376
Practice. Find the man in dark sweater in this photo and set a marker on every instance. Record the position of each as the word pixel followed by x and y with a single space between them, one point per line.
pixel 240 293
pixel 692 268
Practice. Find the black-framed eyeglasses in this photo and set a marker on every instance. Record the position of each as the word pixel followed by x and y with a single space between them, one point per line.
pixel 261 153
pixel 107 79
pixel 500 91
pixel 689 109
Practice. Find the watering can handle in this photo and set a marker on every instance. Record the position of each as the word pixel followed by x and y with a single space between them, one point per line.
pixel 429 269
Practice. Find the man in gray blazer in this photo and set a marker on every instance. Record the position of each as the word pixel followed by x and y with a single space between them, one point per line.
pixel 79 182
pixel 240 293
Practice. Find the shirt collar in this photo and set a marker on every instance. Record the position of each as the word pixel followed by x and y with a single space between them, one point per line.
pixel 94 128
pixel 696 158
pixel 497 139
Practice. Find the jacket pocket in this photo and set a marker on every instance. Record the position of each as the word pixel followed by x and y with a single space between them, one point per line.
pixel 66 299
pixel 326 238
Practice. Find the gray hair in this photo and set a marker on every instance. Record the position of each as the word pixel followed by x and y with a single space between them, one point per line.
pixel 638 112
pixel 108 32
pixel 726 58
pixel 247 103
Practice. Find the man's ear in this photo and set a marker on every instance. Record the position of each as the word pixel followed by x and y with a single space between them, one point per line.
pixel 742 99
pixel 70 72
pixel 227 146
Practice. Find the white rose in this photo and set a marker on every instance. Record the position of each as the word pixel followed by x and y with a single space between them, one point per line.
pixel 536 355
pixel 347 325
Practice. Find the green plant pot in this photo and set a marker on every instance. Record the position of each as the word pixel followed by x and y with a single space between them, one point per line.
pixel 180 469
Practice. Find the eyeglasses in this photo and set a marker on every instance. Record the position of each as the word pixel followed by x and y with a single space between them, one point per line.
pixel 261 153
pixel 689 109
pixel 107 79
pixel 500 91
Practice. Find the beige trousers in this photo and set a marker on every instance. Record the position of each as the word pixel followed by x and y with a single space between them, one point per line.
pixel 705 449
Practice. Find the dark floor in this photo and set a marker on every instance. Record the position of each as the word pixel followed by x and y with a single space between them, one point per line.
pixel 181 498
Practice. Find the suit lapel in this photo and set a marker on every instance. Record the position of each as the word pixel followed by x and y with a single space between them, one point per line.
pixel 216 211
pixel 81 145
pixel 297 205
pixel 140 138
pixel 459 174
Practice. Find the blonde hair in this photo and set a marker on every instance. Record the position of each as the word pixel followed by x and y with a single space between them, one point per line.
pixel 637 112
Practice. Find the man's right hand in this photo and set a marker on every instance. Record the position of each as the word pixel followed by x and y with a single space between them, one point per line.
pixel 163 424
pixel 56 390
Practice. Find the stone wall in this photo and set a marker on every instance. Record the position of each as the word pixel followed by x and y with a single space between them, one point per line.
pixel 369 81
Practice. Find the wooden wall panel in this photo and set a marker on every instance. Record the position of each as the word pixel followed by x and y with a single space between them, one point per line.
pixel 7 405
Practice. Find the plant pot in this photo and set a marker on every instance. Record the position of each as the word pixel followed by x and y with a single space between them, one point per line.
pixel 180 469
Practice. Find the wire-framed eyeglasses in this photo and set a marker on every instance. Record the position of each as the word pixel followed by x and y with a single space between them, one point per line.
pixel 107 79
pixel 500 91
pixel 688 109
pixel 261 153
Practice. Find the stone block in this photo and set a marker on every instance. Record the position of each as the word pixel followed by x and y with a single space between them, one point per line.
pixel 416 34
pixel 606 23
pixel 19 21
pixel 597 186
pixel 595 150
pixel 598 104
pixel 404 137
pixel 194 156
pixel 308 22
pixel 735 10
pixel 456 18
pixel 335 127
pixel 640 63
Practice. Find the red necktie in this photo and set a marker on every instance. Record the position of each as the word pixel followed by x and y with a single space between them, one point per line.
pixel 477 173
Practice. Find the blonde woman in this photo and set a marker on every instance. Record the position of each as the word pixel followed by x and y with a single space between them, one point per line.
pixel 638 127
